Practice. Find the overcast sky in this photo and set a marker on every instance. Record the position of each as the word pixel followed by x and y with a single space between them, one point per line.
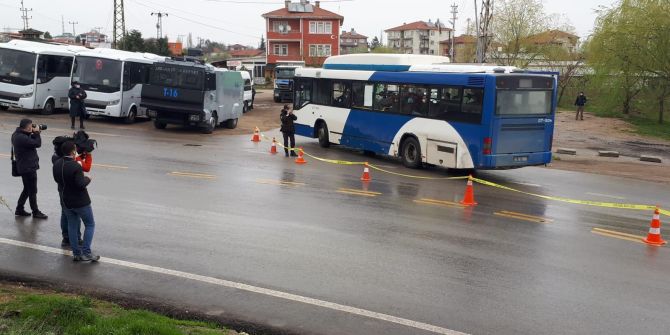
pixel 239 21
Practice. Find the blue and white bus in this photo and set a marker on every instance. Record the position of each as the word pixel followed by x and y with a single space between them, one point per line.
pixel 424 110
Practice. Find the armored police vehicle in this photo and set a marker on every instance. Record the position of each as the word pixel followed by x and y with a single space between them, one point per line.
pixel 191 94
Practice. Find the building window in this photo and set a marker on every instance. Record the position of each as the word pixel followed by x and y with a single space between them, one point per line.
pixel 432 33
pixel 320 27
pixel 281 49
pixel 319 50
pixel 280 27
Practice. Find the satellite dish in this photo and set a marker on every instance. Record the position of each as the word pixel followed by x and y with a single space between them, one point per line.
pixel 288 28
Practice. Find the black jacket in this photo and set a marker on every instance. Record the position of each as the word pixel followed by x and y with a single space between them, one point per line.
pixel 77 97
pixel 25 150
pixel 71 183
pixel 581 100
pixel 287 119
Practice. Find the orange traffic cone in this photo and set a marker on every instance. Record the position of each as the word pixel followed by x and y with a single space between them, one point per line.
pixel 469 197
pixel 300 159
pixel 273 148
pixel 257 135
pixel 366 173
pixel 654 236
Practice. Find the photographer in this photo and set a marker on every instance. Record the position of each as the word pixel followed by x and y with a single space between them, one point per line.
pixel 25 141
pixel 75 201
pixel 77 107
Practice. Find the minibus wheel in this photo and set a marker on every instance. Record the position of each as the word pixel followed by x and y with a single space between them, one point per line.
pixel 159 124
pixel 49 107
pixel 130 119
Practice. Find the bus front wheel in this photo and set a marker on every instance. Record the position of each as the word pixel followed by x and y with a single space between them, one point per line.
pixel 132 115
pixel 49 107
pixel 411 153
pixel 322 134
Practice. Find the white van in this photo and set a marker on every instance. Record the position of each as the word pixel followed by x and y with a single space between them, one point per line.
pixel 248 91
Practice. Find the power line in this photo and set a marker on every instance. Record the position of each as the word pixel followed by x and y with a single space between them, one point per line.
pixel 454 12
pixel 73 23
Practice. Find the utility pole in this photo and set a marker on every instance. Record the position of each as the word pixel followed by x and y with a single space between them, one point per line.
pixel 73 31
pixel 159 24
pixel 119 30
pixel 24 16
pixel 62 21
pixel 454 12
pixel 483 28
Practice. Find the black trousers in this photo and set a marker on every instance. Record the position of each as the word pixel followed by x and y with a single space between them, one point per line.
pixel 288 136
pixel 81 120
pixel 29 191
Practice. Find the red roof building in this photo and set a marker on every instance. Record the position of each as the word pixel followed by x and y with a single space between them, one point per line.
pixel 302 32
pixel 352 41
pixel 249 53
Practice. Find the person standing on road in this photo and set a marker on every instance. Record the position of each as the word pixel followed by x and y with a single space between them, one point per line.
pixel 25 141
pixel 288 129
pixel 77 107
pixel 580 103
pixel 86 161
pixel 75 201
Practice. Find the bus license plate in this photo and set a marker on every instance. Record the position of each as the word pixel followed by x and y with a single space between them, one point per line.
pixel 521 159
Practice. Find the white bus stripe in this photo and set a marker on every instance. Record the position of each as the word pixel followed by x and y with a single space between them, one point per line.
pixel 249 288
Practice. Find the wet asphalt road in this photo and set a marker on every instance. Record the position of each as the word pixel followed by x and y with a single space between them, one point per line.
pixel 222 207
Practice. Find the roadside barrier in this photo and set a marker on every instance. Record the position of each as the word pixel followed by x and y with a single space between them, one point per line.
pixel 468 198
pixel 654 235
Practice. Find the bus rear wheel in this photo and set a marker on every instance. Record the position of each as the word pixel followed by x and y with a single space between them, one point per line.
pixel 159 124
pixel 49 107
pixel 410 153
pixel 323 135
pixel 231 123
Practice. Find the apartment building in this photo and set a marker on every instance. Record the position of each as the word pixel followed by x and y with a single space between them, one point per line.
pixel 418 37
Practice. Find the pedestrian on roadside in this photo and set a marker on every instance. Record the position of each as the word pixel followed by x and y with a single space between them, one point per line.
pixel 25 142
pixel 75 201
pixel 86 161
pixel 580 103
pixel 253 96
pixel 288 129
pixel 77 97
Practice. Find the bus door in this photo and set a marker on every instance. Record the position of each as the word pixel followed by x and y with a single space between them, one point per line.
pixel 523 121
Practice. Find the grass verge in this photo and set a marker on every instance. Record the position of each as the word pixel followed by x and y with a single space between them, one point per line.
pixel 651 128
pixel 25 311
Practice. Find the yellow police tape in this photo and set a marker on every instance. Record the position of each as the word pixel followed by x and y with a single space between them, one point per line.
pixel 484 182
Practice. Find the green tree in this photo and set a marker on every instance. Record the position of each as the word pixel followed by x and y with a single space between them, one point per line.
pixel 383 50
pixel 47 35
pixel 375 43
pixel 133 41
pixel 261 46
pixel 630 43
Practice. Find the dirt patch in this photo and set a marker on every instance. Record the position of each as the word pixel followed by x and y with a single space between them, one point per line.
pixel 598 133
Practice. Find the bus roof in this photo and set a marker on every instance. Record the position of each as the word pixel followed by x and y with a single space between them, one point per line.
pixel 122 55
pixel 465 68
pixel 43 48
pixel 381 62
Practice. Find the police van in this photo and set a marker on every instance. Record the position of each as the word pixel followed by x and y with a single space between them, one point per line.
pixel 192 94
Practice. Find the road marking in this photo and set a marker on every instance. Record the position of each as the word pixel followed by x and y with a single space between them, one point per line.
pixel 88 132
pixel 527 184
pixel 192 175
pixel 618 234
pixel 111 166
pixel 606 196
pixel 249 288
pixel 358 192
pixel 436 202
pixel 279 182
pixel 522 216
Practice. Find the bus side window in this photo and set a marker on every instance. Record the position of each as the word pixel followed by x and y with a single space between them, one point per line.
pixel 321 95
pixel 362 95
pixel 127 70
pixel 210 81
pixel 341 94
pixel 473 100
pixel 386 98
pixel 414 100
pixel 445 103
pixel 303 93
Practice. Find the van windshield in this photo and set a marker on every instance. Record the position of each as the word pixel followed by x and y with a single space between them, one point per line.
pixel 98 74
pixel 17 67
pixel 177 76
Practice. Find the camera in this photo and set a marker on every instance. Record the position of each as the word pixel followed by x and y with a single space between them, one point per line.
pixel 40 126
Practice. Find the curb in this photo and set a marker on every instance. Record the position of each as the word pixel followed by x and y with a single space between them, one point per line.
pixel 652 159
pixel 566 151
pixel 604 153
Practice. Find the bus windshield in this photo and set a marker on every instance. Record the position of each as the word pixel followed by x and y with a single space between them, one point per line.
pixel 98 74
pixel 178 76
pixel 285 73
pixel 17 67
pixel 513 102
